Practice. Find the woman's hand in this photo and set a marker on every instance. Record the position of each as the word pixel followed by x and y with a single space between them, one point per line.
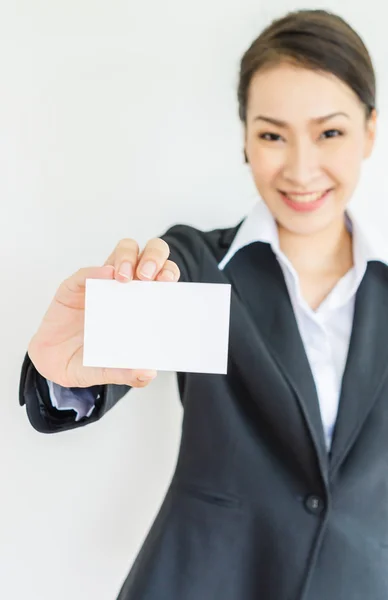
pixel 56 349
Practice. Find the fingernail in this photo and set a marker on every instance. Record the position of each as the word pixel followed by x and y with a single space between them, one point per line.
pixel 126 270
pixel 148 269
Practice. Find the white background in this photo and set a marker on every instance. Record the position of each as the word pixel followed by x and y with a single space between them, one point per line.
pixel 117 119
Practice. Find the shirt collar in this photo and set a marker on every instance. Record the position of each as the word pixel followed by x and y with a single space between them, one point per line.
pixel 260 226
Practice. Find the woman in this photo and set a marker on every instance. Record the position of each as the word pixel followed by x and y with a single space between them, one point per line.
pixel 281 487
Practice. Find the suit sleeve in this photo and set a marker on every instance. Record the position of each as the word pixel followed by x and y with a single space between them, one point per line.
pixel 44 413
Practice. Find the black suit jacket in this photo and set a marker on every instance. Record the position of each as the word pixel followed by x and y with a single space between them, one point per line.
pixel 257 509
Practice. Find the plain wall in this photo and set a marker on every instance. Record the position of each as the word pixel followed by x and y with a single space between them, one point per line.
pixel 117 119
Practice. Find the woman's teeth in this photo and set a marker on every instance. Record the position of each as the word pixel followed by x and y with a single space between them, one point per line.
pixel 305 198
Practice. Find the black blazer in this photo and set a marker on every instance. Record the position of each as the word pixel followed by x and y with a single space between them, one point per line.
pixel 257 509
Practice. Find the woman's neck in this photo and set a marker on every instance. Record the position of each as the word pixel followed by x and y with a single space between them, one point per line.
pixel 328 251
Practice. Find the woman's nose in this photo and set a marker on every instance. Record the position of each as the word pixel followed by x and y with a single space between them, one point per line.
pixel 301 164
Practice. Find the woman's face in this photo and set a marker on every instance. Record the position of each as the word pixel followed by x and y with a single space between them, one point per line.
pixel 305 139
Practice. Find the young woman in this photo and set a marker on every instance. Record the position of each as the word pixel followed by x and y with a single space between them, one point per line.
pixel 281 486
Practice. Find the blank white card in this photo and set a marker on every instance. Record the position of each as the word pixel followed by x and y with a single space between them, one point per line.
pixel 157 325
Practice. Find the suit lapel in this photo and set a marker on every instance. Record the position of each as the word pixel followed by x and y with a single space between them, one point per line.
pixel 260 294
pixel 367 361
pixel 258 287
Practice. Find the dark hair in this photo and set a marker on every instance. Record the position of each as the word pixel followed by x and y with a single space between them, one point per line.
pixel 315 39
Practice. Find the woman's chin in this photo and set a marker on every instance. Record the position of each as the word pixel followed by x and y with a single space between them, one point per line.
pixel 307 225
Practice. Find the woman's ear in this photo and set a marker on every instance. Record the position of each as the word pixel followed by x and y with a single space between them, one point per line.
pixel 371 126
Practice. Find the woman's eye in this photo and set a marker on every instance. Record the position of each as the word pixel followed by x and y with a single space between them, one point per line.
pixel 270 137
pixel 330 133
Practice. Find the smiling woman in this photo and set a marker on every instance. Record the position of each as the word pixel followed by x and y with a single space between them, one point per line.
pixel 307 102
pixel 281 485
pixel 310 78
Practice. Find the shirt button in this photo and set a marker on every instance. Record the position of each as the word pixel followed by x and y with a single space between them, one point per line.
pixel 314 504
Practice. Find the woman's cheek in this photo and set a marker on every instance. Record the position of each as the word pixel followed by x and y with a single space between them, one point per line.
pixel 345 161
pixel 266 160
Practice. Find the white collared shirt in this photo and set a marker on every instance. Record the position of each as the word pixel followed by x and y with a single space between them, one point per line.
pixel 326 331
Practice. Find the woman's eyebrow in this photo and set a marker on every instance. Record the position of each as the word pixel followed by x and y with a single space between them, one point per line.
pixel 318 120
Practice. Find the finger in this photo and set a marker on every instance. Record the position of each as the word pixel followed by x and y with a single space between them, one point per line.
pixel 152 259
pixel 133 377
pixel 124 258
pixel 170 272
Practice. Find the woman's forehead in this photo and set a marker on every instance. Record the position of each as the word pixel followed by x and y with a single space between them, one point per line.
pixel 286 91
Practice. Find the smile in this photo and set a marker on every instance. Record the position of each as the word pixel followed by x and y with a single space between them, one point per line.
pixel 305 198
pixel 305 202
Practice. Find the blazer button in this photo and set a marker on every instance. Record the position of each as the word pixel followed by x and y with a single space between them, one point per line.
pixel 314 504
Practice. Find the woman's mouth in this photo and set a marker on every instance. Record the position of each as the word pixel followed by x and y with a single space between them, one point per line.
pixel 305 202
